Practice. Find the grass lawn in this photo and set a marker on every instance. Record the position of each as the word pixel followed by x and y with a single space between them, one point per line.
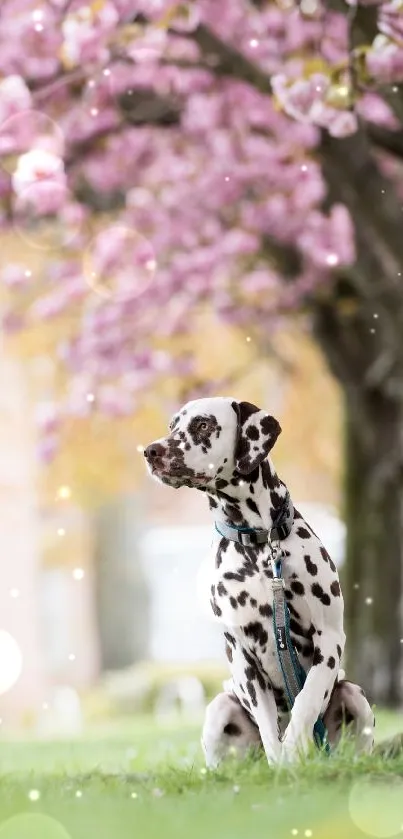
pixel 146 779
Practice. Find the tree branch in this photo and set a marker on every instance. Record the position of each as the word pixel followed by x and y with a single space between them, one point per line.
pixel 223 59
pixel 385 139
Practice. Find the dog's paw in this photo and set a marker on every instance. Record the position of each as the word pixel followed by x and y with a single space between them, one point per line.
pixel 294 747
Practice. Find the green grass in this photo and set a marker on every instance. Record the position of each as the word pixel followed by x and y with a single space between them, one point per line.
pixel 147 779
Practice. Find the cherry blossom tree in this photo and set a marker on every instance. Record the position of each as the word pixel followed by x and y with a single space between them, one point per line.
pixel 245 154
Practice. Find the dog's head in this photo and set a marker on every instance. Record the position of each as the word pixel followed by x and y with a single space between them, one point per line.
pixel 211 439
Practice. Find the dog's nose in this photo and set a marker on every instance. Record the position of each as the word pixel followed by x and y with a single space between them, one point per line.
pixel 153 451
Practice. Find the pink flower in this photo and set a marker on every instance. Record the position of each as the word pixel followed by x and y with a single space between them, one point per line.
pixel 390 20
pixel 38 166
pixel 374 109
pixel 85 31
pixel 384 60
pixel 16 276
pixel 14 97
pixel 342 123
pixel 299 98
pixel 48 417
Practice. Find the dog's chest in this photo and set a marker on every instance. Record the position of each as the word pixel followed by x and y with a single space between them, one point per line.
pixel 239 594
pixel 237 588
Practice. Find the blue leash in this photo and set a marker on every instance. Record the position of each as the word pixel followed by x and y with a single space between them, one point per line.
pixel 293 673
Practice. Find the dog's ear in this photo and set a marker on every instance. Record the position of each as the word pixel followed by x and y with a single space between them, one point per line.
pixel 257 433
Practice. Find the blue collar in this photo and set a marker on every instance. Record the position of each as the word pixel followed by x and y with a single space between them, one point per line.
pixel 249 536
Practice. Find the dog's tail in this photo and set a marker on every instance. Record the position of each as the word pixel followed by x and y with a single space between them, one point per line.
pixel 392 747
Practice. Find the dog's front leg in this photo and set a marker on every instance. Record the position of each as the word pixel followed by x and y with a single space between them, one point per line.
pixel 249 682
pixel 309 702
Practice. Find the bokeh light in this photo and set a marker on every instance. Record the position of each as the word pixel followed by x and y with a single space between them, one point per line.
pixel 119 264
pixel 41 216
pixel 376 806
pixel 34 826
pixel 27 131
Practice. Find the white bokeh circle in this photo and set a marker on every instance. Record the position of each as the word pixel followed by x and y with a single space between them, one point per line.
pixel 33 826
pixel 119 263
pixel 26 131
pixel 11 661
pixel 376 806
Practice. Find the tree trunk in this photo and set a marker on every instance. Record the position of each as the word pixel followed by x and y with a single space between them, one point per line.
pixel 372 577
pixel 123 603
pixel 374 556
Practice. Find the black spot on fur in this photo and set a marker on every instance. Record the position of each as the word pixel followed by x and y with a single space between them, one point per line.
pixel 343 716
pixel 220 551
pixel 317 657
pixel 242 598
pixel 327 558
pixel 266 611
pixel 256 631
pixel 331 662
pixel 234 602
pixel 216 609
pixel 310 566
pixel 296 628
pixel 335 588
pixel 252 693
pixel 293 611
pixel 338 648
pixel 297 587
pixel 232 730
pixel 303 533
pixel 252 432
pixel 318 592
pixel 221 590
pixel 239 576
pixel 252 506
pixel 230 638
pixel 275 499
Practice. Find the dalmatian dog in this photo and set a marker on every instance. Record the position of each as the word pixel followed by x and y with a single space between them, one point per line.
pixel 220 446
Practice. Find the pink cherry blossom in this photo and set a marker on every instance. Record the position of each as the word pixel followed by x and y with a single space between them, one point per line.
pixel 14 97
pixel 38 166
pixel 170 181
pixel 384 60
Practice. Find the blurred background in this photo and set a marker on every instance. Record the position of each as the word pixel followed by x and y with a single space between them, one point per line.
pixel 99 579
pixel 173 223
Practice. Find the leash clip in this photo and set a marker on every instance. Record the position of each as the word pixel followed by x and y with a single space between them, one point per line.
pixel 275 561
pixel 275 550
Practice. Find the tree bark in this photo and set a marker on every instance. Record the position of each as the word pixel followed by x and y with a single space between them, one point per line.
pixel 373 571
pixel 123 603
pixel 374 555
